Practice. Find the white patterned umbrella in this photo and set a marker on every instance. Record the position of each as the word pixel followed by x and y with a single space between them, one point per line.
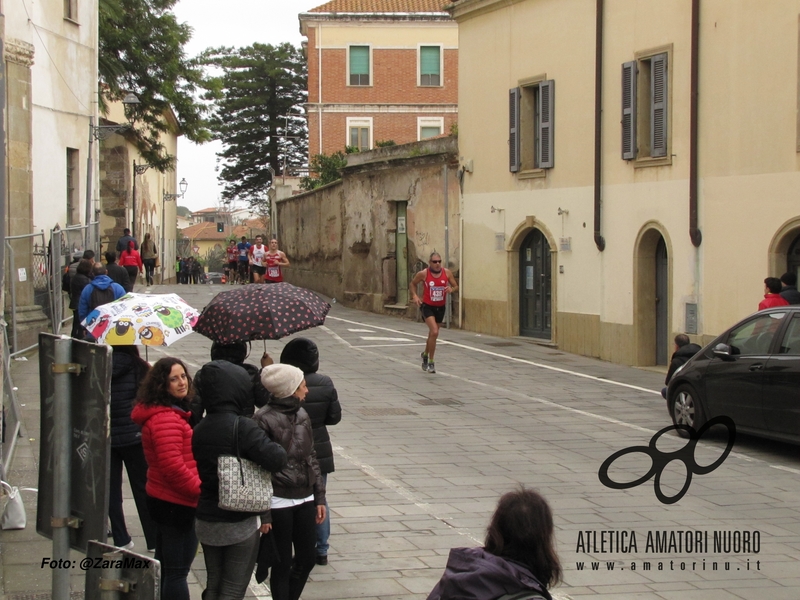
pixel 142 319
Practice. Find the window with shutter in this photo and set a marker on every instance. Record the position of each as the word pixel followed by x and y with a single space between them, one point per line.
pixel 645 108
pixel 430 65
pixel 629 71
pixel 544 147
pixel 359 65
pixel 513 134
pixel 658 106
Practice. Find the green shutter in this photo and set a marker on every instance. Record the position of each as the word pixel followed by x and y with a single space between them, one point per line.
pixel 359 60
pixel 429 60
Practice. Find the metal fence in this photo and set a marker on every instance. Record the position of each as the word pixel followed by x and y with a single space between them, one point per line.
pixel 10 416
pixel 65 243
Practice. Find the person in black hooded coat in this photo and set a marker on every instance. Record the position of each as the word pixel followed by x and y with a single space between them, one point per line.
pixel 323 408
pixel 127 372
pixel 230 539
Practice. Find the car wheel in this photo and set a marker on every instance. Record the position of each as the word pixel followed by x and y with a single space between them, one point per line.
pixel 686 410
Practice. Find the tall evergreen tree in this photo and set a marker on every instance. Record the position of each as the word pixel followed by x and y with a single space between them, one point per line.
pixel 141 51
pixel 257 115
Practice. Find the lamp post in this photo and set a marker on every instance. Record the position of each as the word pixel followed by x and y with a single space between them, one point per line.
pixel 137 170
pixel 166 197
pixel 101 132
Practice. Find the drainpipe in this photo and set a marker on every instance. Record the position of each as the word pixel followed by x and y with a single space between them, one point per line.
pixel 694 231
pixel 599 240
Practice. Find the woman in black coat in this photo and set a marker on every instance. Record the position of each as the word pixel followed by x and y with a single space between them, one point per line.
pixel 322 406
pixel 77 282
pixel 127 372
pixel 230 539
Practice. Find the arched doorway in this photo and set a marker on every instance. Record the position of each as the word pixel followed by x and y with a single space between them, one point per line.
pixel 535 286
pixel 652 299
pixel 793 258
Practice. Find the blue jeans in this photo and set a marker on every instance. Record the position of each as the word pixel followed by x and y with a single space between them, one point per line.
pixel 229 568
pixel 324 528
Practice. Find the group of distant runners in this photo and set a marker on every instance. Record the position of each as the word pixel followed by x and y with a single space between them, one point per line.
pixel 255 263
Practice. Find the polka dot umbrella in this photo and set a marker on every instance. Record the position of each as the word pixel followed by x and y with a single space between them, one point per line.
pixel 261 312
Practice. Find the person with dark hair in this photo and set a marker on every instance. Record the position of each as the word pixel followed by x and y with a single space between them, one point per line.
pixel 149 257
pixel 518 558
pixel 101 290
pixel 243 248
pixel 132 261
pixel 772 295
pixel 274 259
pixel 117 273
pixel 789 288
pixel 684 350
pixel 125 240
pixel 70 269
pixel 323 408
pixel 77 283
pixel 173 484
pixel 438 282
pixel 230 539
pixel 298 501
pixel 127 372
pixel 234 353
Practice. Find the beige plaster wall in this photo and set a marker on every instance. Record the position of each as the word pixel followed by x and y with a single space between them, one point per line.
pixel 391 34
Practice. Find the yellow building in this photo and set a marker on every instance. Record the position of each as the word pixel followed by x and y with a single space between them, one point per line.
pixel 627 175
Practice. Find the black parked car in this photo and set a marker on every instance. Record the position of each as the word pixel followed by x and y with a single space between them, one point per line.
pixel 750 373
pixel 217 278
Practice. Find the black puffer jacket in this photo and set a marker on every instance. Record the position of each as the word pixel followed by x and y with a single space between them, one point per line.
pixel 126 373
pixel 322 401
pixel 680 357
pixel 226 390
pixel 289 425
pixel 77 282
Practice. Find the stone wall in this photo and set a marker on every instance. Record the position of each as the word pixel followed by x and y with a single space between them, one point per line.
pixel 342 239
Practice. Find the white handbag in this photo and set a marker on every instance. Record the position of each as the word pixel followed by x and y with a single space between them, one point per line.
pixel 244 486
pixel 14 512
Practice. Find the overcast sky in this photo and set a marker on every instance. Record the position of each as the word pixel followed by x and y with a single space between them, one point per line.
pixel 229 23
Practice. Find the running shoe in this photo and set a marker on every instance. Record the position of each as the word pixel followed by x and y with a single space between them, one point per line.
pixel 431 368
pixel 424 358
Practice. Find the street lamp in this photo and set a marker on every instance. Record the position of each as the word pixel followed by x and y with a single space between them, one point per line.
pixel 102 132
pixel 166 197
pixel 137 170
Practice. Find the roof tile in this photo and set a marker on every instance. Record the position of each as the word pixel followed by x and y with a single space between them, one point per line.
pixel 381 6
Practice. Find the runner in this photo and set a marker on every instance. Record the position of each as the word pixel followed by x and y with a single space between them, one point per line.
pixel 275 259
pixel 258 251
pixel 244 251
pixel 438 283
pixel 232 253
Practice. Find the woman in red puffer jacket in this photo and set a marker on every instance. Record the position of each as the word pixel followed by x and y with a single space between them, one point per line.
pixel 173 484
pixel 132 261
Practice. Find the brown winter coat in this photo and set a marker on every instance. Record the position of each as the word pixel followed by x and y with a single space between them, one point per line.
pixel 288 425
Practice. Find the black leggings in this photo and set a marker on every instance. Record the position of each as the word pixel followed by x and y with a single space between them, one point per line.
pixel 294 526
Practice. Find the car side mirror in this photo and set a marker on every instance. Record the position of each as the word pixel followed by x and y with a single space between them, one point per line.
pixel 724 352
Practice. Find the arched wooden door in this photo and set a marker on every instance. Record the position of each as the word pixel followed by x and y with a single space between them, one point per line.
pixel 535 287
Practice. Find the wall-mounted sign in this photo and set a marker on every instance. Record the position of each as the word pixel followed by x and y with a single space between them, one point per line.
pixel 401 224
pixel 23 274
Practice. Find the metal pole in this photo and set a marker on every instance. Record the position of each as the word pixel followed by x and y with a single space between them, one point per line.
pixel 87 239
pixel 12 262
pixel 448 309
pixel 133 202
pixel 62 448
pixel 163 251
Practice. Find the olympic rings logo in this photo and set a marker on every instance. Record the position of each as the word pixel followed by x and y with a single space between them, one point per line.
pixel 662 459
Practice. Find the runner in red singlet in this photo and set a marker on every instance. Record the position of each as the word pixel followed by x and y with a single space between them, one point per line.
pixel 232 254
pixel 274 259
pixel 438 283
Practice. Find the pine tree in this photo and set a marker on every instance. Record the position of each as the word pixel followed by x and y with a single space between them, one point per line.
pixel 257 115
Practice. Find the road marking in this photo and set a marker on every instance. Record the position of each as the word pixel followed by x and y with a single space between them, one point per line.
pixel 511 358
pixel 549 403
pixel 361 330
pixel 376 338
pixel 410 343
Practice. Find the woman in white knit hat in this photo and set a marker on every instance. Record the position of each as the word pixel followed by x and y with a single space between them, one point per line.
pixel 298 501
